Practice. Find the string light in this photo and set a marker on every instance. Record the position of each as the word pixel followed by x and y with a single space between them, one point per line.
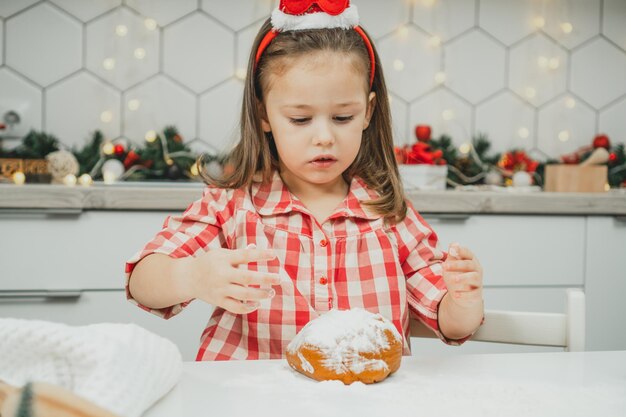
pixel 554 63
pixel 428 3
pixel 465 148
pixel 69 180
pixel 398 65
pixel 140 53
pixel 403 32
pixel 194 169
pixel 567 27
pixel 570 103
pixel 150 136
pixel 447 114
pixel 121 30
pixel 133 104
pixel 440 77
pixel 85 180
pixel 434 41
pixel 542 61
pixel 109 64
pixel 530 92
pixel 240 73
pixel 150 24
pixel 564 135
pixel 539 22
pixel 106 116
pixel 523 132
pixel 108 148
pixel 19 178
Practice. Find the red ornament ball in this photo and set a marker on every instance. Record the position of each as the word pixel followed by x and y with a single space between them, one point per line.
pixel 423 132
pixel 601 141
pixel 119 150
pixel 612 157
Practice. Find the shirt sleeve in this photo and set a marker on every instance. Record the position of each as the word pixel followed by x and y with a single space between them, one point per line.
pixel 203 225
pixel 422 267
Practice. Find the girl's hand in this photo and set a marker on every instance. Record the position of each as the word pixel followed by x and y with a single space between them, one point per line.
pixel 216 279
pixel 463 276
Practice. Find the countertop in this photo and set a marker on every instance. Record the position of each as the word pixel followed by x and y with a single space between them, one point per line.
pixel 529 384
pixel 177 196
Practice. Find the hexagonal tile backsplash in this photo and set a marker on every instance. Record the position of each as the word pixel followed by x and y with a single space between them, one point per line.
pixel 538 74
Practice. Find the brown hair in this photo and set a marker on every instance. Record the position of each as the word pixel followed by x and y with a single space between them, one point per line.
pixel 256 152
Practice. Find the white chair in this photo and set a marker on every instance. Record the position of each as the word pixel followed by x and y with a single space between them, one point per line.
pixel 522 328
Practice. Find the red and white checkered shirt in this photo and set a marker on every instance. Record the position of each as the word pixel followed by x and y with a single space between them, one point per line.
pixel 351 260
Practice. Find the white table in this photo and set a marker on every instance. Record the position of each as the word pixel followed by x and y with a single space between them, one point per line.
pixel 530 384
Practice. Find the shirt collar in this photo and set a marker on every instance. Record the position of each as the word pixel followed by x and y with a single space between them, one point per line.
pixel 274 198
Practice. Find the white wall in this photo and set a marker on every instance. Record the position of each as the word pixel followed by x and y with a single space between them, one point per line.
pixel 68 67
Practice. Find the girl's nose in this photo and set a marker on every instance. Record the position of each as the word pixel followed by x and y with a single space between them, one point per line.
pixel 323 135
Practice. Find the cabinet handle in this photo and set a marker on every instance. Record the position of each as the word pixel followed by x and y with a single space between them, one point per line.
pixel 72 295
pixel 448 217
pixel 43 212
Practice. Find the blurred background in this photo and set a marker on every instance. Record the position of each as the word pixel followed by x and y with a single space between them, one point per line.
pixel 541 75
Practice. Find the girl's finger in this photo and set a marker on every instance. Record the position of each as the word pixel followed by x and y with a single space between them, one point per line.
pixel 462 266
pixel 241 293
pixel 468 280
pixel 244 256
pixel 237 307
pixel 465 253
pixel 244 277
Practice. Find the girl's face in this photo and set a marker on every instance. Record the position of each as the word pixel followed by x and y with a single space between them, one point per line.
pixel 317 110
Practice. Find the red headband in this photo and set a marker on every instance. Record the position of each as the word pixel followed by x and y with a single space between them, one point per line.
pixel 320 14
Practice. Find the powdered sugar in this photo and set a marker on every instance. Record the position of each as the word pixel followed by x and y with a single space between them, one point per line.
pixel 342 334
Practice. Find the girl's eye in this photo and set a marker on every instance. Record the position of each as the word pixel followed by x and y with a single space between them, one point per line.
pixel 344 119
pixel 299 121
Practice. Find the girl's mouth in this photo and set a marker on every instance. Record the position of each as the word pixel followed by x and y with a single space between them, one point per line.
pixel 323 161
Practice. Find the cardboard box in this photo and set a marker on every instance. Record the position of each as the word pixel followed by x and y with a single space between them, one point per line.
pixel 576 179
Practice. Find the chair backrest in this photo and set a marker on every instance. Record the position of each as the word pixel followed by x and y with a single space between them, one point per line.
pixel 565 330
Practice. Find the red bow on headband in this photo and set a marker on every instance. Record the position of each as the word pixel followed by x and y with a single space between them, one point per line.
pixel 297 7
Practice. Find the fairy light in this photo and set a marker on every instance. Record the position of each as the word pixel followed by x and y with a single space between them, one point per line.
pixel 169 161
pixel 150 24
pixel 567 27
pixel 542 62
pixel 240 73
pixel 140 53
pixel 18 178
pixel 403 32
pixel 447 114
pixel 106 116
pixel 121 30
pixel 530 92
pixel 389 98
pixel 465 148
pixel 194 169
pixel 564 135
pixel 539 22
pixel 523 132
pixel 85 180
pixel 398 65
pixel 69 180
pixel 553 63
pixel 570 103
pixel 440 77
pixel 150 136
pixel 428 3
pixel 434 41
pixel 133 104
pixel 108 148
pixel 109 64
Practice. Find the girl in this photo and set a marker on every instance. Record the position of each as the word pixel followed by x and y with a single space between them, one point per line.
pixel 313 216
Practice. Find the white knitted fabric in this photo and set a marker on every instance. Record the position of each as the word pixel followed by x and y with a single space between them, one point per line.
pixel 282 21
pixel 121 367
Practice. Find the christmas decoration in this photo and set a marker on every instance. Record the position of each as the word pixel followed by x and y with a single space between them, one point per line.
pixel 61 164
pixel 112 170
pixel 423 132
pixel 601 141
pixel 522 179
pixel 420 152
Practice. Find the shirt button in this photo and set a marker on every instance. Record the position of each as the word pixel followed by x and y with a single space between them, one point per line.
pixel 323 281
pixel 323 242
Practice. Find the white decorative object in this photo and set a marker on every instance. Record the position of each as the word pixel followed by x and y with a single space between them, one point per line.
pixel 112 170
pixel 121 367
pixel 61 164
pixel 423 177
pixel 493 177
pixel 522 179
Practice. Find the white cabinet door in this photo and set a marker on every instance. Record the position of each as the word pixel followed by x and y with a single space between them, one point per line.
pixel 111 306
pixel 519 250
pixel 72 252
pixel 605 283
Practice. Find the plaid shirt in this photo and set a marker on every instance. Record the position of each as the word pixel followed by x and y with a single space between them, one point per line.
pixel 351 260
